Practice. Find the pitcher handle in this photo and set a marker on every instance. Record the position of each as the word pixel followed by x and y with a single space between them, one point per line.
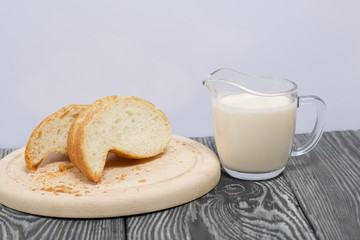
pixel 314 137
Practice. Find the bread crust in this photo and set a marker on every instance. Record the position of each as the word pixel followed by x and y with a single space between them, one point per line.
pixel 31 158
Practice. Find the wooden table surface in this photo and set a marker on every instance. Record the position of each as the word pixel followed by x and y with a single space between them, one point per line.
pixel 317 197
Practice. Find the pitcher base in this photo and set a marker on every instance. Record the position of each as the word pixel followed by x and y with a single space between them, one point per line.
pixel 253 176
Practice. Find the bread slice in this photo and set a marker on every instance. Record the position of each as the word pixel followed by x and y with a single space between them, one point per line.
pixel 79 120
pixel 130 127
pixel 51 135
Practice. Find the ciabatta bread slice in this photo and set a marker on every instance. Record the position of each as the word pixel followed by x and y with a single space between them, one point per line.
pixel 130 127
pixel 51 135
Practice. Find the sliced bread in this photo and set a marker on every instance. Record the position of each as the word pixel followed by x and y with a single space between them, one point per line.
pixel 79 120
pixel 130 127
pixel 51 135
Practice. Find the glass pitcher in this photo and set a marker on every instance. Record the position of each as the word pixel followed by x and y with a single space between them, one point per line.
pixel 254 120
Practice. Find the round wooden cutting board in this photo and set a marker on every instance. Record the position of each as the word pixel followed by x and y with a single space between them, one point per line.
pixel 184 172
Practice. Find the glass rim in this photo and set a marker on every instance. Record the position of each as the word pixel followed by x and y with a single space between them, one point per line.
pixel 292 90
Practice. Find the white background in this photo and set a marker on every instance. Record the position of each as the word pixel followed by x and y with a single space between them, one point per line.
pixel 53 54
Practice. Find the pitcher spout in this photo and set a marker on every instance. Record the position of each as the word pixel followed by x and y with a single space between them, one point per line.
pixel 213 85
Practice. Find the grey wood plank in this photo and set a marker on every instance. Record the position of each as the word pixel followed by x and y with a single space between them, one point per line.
pixel 18 225
pixel 326 182
pixel 234 209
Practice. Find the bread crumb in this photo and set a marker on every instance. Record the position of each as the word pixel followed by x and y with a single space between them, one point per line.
pixel 59 189
pixel 142 180
pixel 63 167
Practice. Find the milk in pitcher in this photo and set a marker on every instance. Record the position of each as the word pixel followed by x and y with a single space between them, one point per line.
pixel 254 134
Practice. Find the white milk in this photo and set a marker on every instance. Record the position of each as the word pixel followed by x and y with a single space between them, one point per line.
pixel 254 134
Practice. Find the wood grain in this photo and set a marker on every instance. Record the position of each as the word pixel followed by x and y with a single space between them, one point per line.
pixel 326 182
pixel 233 210
pixel 18 225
